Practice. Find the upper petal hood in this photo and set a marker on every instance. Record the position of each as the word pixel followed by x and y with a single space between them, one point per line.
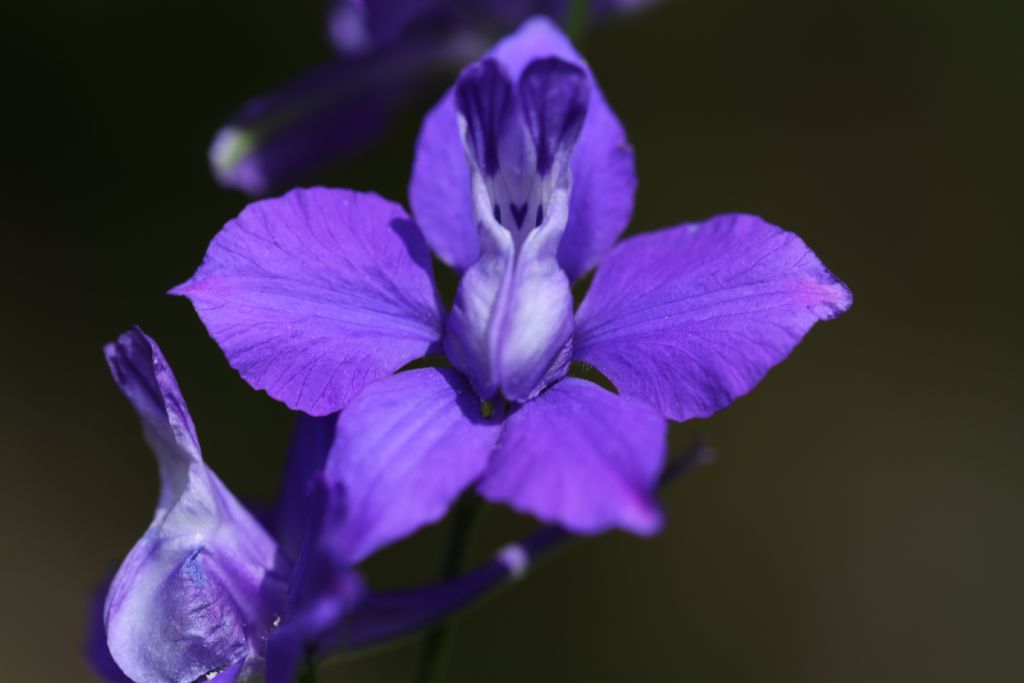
pixel 604 178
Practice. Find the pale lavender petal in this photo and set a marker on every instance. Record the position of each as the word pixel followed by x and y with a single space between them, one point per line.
pixel 475 323
pixel 199 592
pixel 405 449
pixel 692 317
pixel 582 457
pixel 317 293
pixel 604 180
pixel 511 322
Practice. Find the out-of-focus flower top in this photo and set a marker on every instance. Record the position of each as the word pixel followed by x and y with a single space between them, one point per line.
pixel 389 52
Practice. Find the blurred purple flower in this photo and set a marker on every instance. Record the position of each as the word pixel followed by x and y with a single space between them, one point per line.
pixel 208 594
pixel 389 52
pixel 523 180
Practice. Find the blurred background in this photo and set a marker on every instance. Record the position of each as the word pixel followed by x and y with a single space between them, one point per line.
pixel 863 518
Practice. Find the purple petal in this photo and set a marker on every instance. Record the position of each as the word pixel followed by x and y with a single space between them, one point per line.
pixel 96 651
pixel 405 449
pixel 692 317
pixel 554 94
pixel 317 293
pixel 200 590
pixel 485 99
pixel 581 457
pixel 324 588
pixel 307 453
pixel 604 180
pixel 362 26
pixel 330 113
pixel 601 9
pixel 228 675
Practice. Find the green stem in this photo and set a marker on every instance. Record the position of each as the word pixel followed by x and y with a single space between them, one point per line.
pixel 310 673
pixel 578 18
pixel 435 645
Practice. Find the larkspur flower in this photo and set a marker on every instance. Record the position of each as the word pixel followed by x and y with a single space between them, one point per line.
pixel 208 594
pixel 388 53
pixel 523 180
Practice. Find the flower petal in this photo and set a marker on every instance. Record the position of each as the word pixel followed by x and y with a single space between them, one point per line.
pixel 317 293
pixel 405 449
pixel 692 317
pixel 324 588
pixel 582 457
pixel 200 590
pixel 96 651
pixel 511 323
pixel 307 453
pixel 604 179
pixel 554 96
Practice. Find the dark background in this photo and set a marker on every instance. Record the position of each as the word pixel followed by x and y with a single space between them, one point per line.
pixel 863 520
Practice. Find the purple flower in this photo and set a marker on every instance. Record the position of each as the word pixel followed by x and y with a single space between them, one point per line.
pixel 523 181
pixel 207 593
pixel 389 52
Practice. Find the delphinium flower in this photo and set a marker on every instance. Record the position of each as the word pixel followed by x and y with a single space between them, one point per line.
pixel 522 182
pixel 388 53
pixel 208 593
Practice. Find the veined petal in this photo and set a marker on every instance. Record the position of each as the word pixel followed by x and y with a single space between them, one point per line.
pixel 315 294
pixel 604 180
pixel 199 592
pixel 692 317
pixel 404 450
pixel 582 457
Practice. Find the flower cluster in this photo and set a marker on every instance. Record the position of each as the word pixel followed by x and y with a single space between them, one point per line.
pixel 523 182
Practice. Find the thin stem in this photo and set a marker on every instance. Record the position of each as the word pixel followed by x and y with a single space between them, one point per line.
pixel 385 619
pixel 435 645
pixel 309 675
pixel 578 18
